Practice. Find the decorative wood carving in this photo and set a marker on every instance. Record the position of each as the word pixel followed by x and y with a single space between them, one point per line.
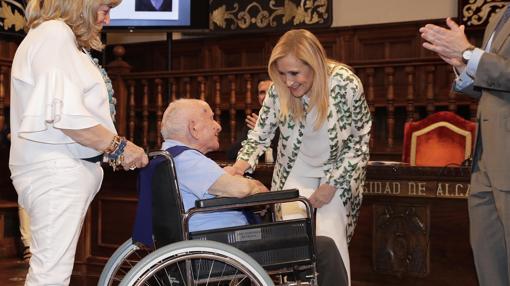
pixel 476 13
pixel 234 15
pixel 12 16
pixel 401 239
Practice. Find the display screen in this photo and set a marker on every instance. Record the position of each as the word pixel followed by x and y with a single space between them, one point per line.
pixel 160 15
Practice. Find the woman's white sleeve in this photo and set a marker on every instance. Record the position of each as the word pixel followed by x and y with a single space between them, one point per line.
pixel 56 103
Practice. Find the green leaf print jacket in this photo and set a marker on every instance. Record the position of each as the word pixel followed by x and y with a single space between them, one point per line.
pixel 349 125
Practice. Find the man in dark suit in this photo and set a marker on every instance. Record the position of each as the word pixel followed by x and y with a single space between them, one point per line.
pixel 153 5
pixel 484 73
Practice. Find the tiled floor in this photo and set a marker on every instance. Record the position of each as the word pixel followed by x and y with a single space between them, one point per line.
pixel 12 272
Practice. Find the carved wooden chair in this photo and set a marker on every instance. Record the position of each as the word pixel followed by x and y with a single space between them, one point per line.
pixel 441 139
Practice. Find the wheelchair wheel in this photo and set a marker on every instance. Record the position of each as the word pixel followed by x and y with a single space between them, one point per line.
pixel 121 261
pixel 197 262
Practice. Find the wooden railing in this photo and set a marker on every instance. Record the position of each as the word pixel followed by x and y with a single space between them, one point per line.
pixel 396 91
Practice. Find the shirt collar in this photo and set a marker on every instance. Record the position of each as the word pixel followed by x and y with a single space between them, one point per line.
pixel 170 143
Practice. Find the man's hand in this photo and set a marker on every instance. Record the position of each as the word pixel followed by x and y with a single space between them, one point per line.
pixel 259 187
pixel 448 43
pixel 251 120
pixel 322 196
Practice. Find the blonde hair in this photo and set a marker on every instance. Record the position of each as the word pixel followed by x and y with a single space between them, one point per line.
pixel 303 45
pixel 80 15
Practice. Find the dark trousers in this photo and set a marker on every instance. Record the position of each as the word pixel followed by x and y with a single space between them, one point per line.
pixel 330 265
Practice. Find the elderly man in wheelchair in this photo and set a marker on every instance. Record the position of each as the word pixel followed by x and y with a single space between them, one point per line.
pixel 208 204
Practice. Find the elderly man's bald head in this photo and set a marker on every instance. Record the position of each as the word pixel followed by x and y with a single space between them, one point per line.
pixel 177 116
pixel 191 121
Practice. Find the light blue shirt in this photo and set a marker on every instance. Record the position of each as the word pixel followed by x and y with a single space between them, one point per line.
pixel 196 174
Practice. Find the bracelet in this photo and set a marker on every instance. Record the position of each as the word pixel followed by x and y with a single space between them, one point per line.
pixel 119 150
pixel 113 145
pixel 115 156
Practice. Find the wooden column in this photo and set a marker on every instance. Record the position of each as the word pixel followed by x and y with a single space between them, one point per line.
pixel 232 108
pixel 217 98
pixel 410 108
pixel 248 94
pixel 429 90
pixel 390 96
pixel 173 88
pixel 202 84
pixel 145 114
pixel 187 88
pixel 3 71
pixel 159 109
pixel 116 69
pixel 132 111
pixel 371 104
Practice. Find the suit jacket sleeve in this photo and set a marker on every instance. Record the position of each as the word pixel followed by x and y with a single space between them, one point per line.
pixel 493 72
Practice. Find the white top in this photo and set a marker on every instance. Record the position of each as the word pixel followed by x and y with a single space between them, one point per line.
pixel 314 151
pixel 54 86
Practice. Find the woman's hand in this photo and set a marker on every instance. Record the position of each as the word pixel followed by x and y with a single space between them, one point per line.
pixel 134 157
pixel 233 171
pixel 322 196
pixel 238 168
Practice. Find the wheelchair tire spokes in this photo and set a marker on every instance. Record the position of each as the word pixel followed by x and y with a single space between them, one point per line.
pixel 121 262
pixel 194 263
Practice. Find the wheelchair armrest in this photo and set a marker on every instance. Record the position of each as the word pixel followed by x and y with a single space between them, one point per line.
pixel 260 197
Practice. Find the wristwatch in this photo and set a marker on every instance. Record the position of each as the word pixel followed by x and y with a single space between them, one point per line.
pixel 467 53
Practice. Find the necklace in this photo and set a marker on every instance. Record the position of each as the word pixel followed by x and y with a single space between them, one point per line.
pixel 108 82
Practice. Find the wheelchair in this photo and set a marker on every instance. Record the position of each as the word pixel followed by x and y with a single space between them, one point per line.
pixel 270 253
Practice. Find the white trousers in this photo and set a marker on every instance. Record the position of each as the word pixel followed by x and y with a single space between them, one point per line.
pixel 331 219
pixel 56 194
